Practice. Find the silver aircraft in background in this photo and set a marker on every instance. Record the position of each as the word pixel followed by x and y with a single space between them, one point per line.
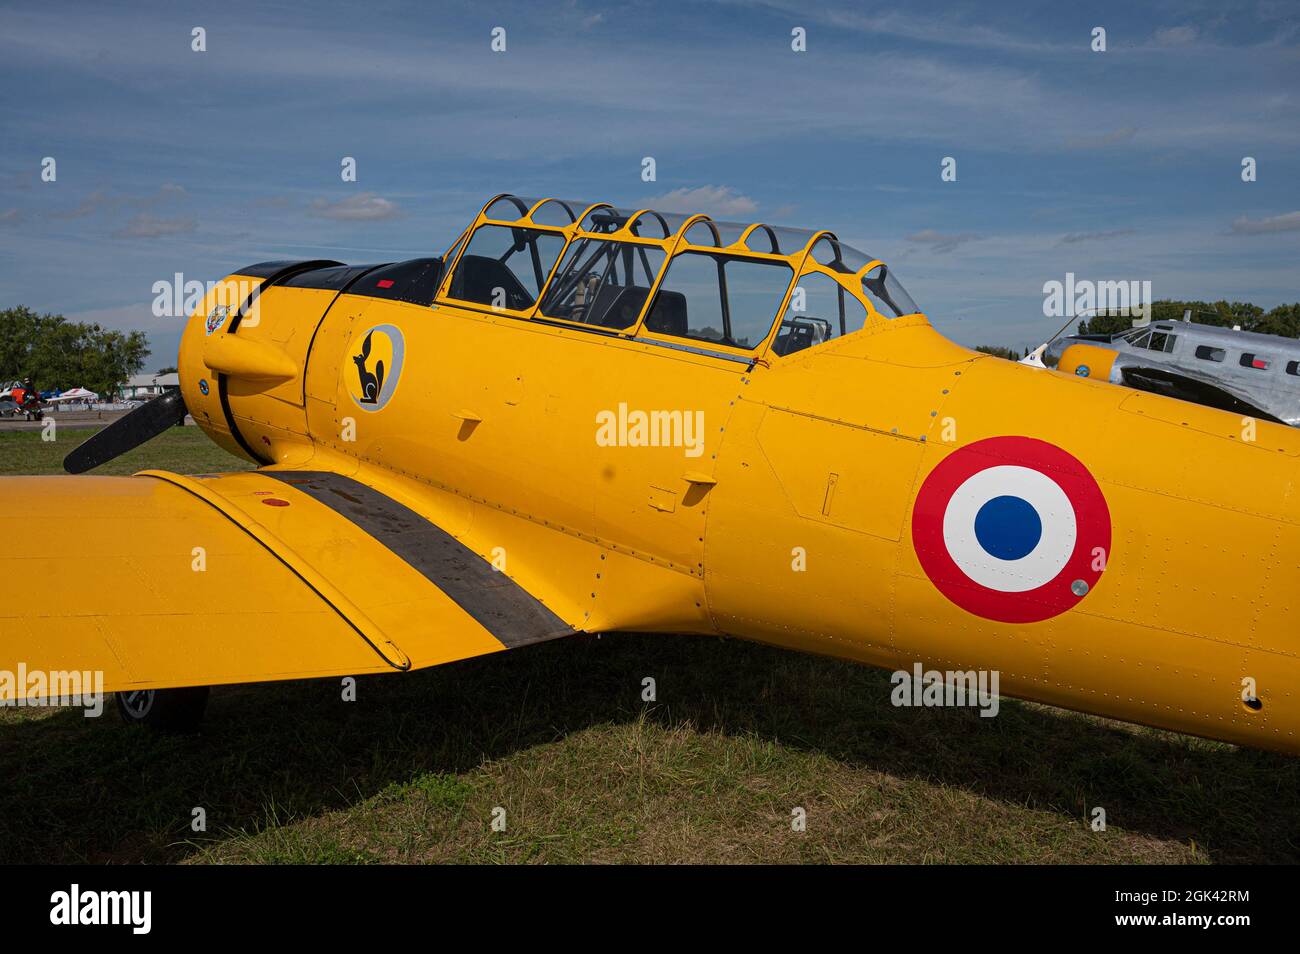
pixel 1240 371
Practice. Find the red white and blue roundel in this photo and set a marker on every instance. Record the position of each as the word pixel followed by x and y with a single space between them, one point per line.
pixel 1012 529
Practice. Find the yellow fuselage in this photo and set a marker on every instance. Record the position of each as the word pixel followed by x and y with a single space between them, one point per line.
pixel 788 518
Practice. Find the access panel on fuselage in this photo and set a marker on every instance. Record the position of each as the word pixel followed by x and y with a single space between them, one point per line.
pixel 616 439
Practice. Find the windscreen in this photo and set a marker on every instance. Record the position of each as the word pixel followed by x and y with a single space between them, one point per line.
pixel 603 283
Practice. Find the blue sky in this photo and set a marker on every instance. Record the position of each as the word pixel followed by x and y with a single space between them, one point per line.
pixel 1122 165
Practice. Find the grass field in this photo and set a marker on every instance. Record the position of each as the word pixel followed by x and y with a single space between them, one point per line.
pixel 186 450
pixel 557 736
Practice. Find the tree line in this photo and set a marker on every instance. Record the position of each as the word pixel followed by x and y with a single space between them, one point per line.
pixel 62 354
pixel 1284 320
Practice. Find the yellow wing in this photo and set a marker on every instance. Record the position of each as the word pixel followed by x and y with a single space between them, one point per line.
pixel 161 581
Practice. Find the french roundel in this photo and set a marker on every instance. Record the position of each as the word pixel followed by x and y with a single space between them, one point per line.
pixel 1012 529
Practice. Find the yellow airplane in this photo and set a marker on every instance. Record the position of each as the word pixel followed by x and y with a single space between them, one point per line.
pixel 587 419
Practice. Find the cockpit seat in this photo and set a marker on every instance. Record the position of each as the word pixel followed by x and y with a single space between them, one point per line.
pixel 800 333
pixel 668 316
pixel 478 277
pixel 617 306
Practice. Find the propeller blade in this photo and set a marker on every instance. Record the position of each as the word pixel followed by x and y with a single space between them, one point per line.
pixel 127 432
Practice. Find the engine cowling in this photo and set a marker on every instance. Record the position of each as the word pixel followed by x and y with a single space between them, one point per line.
pixel 1090 361
pixel 245 351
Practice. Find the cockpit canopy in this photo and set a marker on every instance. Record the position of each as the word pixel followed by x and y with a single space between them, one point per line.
pixel 669 277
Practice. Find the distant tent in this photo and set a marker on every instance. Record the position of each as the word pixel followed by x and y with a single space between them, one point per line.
pixel 77 394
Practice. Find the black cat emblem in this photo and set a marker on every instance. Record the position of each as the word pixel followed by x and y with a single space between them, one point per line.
pixel 372 383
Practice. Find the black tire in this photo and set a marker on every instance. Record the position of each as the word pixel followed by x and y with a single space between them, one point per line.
pixel 164 710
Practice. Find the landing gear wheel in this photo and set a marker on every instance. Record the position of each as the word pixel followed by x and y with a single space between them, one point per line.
pixel 166 710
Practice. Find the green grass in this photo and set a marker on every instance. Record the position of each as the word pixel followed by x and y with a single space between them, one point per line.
pixel 558 736
pixel 185 450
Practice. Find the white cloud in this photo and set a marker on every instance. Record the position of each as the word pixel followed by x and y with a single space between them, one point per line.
pixel 719 201
pixel 941 241
pixel 1290 222
pixel 946 30
pixel 1176 36
pixel 88 206
pixel 364 207
pixel 151 226
pixel 1102 140
pixel 1073 238
pixel 722 88
pixel 113 202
